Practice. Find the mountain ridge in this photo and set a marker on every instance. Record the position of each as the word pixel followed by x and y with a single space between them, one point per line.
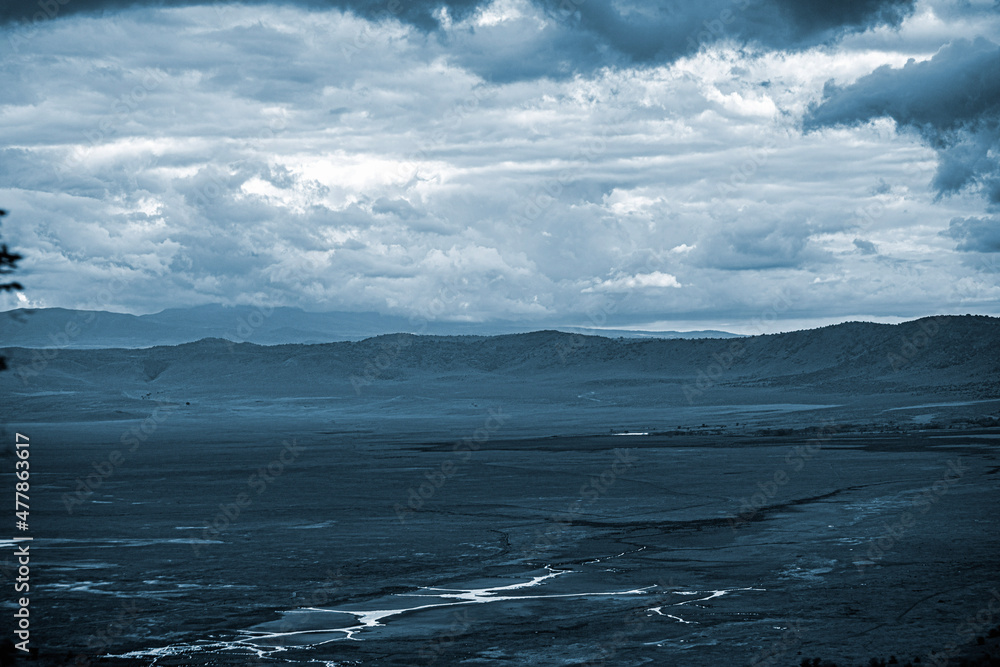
pixel 548 382
pixel 88 329
pixel 965 346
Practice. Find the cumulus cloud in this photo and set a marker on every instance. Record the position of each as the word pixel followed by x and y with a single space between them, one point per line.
pixel 956 87
pixel 664 31
pixel 865 247
pixel 287 155
pixel 627 283
pixel 976 234
pixel 506 40
pixel 952 100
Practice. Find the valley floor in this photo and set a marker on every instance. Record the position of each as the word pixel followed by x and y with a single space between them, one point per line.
pixel 268 541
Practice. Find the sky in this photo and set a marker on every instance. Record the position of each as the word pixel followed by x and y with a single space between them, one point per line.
pixel 667 164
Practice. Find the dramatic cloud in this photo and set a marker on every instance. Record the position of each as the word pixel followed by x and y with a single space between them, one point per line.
pixel 420 13
pixel 513 40
pixel 627 283
pixel 506 160
pixel 663 31
pixel 976 234
pixel 952 100
pixel 958 86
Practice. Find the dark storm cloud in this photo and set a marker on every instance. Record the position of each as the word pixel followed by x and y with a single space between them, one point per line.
pixel 276 154
pixel 419 13
pixel 976 234
pixel 953 101
pixel 588 32
pixel 959 86
pixel 812 17
pixel 667 30
pixel 759 244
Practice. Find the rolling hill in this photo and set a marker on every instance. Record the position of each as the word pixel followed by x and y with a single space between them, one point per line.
pixel 549 376
pixel 88 329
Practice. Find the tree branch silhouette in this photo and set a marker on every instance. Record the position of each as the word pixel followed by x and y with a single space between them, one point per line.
pixel 8 264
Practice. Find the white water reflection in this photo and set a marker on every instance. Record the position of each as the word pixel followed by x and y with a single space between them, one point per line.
pixel 709 595
pixel 366 619
pixel 311 627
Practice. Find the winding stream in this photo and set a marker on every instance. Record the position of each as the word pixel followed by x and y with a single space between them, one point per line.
pixel 311 627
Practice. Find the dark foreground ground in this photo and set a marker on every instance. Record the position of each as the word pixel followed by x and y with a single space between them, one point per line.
pixel 701 548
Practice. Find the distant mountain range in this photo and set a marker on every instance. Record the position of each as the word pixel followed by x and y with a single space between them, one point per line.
pixel 83 329
pixel 548 381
